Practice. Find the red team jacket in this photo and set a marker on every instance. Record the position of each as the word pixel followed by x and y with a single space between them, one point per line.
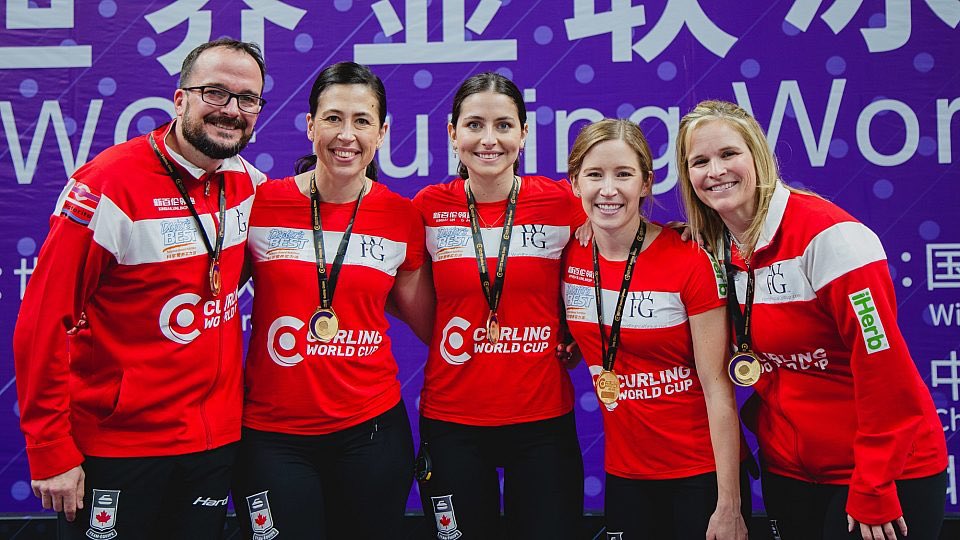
pixel 295 384
pixel 840 397
pixel 468 380
pixel 658 428
pixel 158 372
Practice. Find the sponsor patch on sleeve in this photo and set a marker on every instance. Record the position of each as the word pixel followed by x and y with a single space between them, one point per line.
pixel 80 203
pixel 874 336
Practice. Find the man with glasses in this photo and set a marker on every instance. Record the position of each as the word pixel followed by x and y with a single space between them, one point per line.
pixel 128 344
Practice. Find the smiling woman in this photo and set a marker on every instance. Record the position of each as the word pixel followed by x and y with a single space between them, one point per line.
pixel 323 418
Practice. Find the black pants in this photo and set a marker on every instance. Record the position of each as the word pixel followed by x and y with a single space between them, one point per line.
pixel 678 508
pixel 542 479
pixel 803 511
pixel 353 483
pixel 153 498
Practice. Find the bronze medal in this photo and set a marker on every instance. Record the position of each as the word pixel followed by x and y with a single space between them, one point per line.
pixel 215 279
pixel 324 324
pixel 608 387
pixel 493 328
pixel 744 369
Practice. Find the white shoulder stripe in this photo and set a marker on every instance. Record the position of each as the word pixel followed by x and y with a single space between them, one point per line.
pixel 111 228
pixel 645 310
pixel 838 250
pixel 456 242
pixel 283 243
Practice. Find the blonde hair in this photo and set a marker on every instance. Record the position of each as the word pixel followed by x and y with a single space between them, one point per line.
pixel 703 220
pixel 610 129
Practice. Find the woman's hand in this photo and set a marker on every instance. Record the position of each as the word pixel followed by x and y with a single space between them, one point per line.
pixel 878 532
pixel 726 523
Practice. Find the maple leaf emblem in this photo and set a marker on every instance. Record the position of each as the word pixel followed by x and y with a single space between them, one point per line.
pixel 261 519
pixel 103 516
pixel 444 520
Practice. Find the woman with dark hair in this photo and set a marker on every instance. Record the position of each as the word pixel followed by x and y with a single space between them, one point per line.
pixel 494 393
pixel 324 425
pixel 646 309
pixel 850 442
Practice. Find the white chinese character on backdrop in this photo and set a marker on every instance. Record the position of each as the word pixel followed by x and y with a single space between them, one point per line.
pixel 893 35
pixel 622 18
pixel 943 266
pixel 952 480
pixel 20 15
pixel 952 378
pixel 452 48
pixel 200 24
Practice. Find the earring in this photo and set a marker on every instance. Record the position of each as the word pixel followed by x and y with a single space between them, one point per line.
pixel 455 151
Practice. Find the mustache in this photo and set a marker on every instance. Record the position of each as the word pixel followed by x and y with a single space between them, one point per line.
pixel 228 121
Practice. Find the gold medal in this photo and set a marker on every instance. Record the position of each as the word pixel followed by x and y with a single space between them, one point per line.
pixel 215 280
pixel 324 324
pixel 744 369
pixel 493 328
pixel 608 387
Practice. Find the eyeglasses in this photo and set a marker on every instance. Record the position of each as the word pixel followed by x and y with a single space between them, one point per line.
pixel 218 96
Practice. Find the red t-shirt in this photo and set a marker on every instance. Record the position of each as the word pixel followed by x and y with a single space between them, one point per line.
pixel 658 427
pixel 294 383
pixel 467 379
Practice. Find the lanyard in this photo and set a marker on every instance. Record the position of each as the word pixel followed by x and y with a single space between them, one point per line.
pixel 492 291
pixel 328 284
pixel 741 319
pixel 213 251
pixel 609 349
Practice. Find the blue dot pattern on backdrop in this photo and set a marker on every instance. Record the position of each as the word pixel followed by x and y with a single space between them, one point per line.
pixel 667 71
pixel 422 79
pixel 839 148
pixel 20 490
pixel 26 246
pixel 625 110
pixel 380 37
pixel 264 162
pixel 750 68
pixel 267 83
pixel 107 86
pixel 107 8
pixel 342 5
pixel 923 62
pixel 301 122
pixel 544 115
pixel 927 146
pixel 584 73
pixel 68 43
pixel 929 230
pixel 893 271
pixel 70 125
pixel 146 124
pixel 592 486
pixel 505 71
pixel 29 88
pixel 588 402
pixel 877 20
pixel 543 35
pixel 883 188
pixel 303 42
pixel 146 46
pixel 836 65
pixel 789 29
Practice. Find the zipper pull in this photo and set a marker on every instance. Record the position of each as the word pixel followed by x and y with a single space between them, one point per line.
pixel 206 188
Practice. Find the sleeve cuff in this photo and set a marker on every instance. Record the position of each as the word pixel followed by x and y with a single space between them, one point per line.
pixel 53 458
pixel 874 509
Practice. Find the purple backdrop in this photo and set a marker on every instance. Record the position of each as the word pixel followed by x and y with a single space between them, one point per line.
pixel 861 103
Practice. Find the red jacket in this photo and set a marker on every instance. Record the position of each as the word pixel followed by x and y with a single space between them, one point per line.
pixel 158 370
pixel 840 399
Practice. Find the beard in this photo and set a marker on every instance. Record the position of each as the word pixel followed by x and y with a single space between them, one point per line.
pixel 194 133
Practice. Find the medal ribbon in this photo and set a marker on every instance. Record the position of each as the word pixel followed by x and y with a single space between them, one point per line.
pixel 492 293
pixel 213 251
pixel 609 351
pixel 741 319
pixel 328 285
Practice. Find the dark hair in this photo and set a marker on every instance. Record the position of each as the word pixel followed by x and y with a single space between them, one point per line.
pixel 186 69
pixel 488 82
pixel 345 73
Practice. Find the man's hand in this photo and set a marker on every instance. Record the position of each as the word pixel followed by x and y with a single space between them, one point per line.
pixel 62 493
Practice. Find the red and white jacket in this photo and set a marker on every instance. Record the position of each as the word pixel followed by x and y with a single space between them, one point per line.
pixel 294 383
pixel 468 380
pixel 840 398
pixel 158 370
pixel 658 428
